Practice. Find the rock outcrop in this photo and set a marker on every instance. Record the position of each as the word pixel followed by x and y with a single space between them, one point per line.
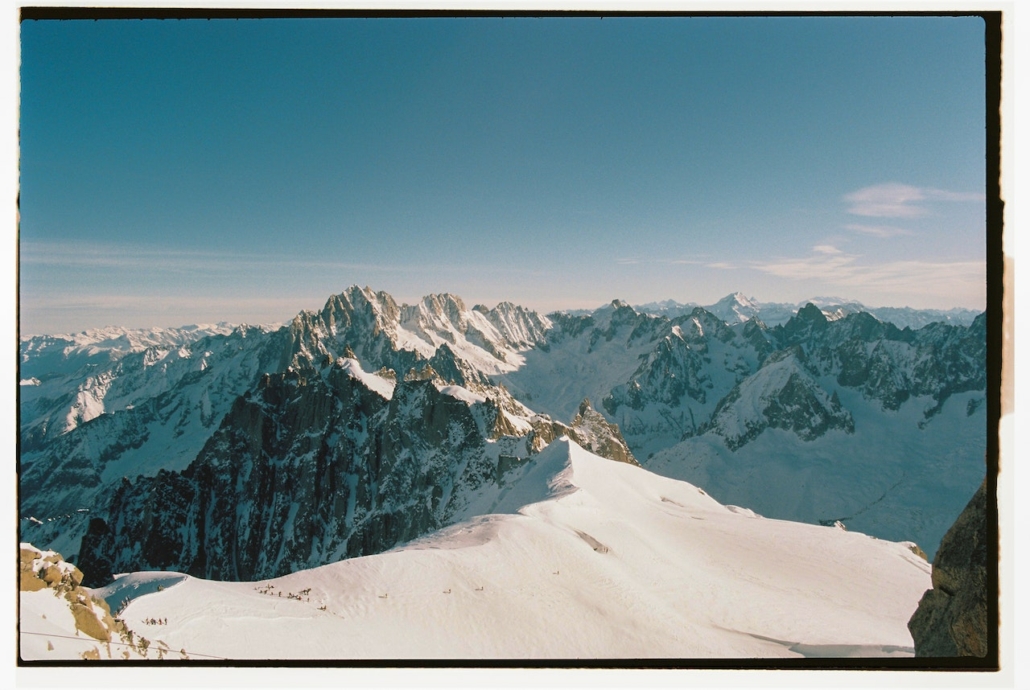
pixel 952 618
pixel 590 430
pixel 41 570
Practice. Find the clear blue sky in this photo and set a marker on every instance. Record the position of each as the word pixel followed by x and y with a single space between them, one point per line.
pixel 185 171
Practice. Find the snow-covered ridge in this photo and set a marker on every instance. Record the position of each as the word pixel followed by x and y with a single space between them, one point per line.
pixel 380 384
pixel 599 560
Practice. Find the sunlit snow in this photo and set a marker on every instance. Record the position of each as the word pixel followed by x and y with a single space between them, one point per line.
pixel 611 561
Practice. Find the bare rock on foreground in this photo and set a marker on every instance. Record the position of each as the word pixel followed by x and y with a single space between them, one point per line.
pixel 952 617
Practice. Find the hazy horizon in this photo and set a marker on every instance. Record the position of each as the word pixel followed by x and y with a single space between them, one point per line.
pixel 24 333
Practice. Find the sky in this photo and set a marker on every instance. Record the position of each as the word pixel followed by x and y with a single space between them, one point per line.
pixel 195 171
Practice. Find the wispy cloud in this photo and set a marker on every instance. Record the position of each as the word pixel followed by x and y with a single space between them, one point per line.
pixel 894 200
pixel 73 301
pixel 82 255
pixel 877 230
pixel 721 265
pixel 71 311
pixel 634 261
pixel 820 265
pixel 86 256
pixel 827 249
pixel 965 280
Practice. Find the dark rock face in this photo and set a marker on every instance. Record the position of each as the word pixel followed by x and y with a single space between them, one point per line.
pixel 89 419
pixel 314 467
pixel 181 397
pixel 676 369
pixel 952 617
pixel 311 468
pixel 595 433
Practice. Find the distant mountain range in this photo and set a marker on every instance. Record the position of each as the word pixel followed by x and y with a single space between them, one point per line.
pixel 240 453
pixel 738 307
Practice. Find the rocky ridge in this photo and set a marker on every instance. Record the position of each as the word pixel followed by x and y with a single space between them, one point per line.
pixel 324 462
pixel 46 570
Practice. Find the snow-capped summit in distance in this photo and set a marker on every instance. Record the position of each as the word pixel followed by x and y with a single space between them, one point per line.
pixel 738 308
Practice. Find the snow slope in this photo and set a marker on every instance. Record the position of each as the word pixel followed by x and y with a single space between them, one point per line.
pixel 606 560
pixel 890 477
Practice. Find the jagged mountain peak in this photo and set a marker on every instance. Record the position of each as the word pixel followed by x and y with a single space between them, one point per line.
pixel 699 325
pixel 438 310
pixel 616 310
pixel 736 299
pixel 811 313
pixel 808 321
pixel 595 433
pixel 735 308
pixel 782 394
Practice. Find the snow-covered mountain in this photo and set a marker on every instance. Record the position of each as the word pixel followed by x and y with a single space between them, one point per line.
pixel 134 413
pixel 782 394
pixel 583 558
pixel 723 405
pixel 366 388
pixel 367 423
pixel 325 463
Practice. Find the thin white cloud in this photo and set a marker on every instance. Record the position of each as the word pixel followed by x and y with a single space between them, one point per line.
pixel 77 255
pixel 818 266
pixel 635 261
pixel 963 281
pixel 721 265
pixel 46 256
pixel 877 230
pixel 73 311
pixel 887 201
pixel 71 301
pixel 894 200
pixel 826 249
